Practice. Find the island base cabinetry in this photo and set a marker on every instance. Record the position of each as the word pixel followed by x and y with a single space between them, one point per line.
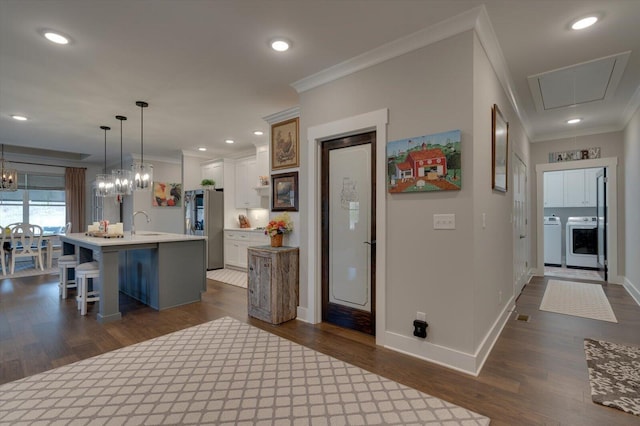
pixel 273 283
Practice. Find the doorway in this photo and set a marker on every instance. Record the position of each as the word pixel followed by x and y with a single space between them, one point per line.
pixel 578 212
pixel 520 232
pixel 348 212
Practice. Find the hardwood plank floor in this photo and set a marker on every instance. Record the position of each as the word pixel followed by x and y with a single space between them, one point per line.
pixel 536 373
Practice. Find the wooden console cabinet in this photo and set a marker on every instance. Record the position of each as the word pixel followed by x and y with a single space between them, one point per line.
pixel 273 283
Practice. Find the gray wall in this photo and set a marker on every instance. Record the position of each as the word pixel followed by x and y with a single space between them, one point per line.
pixel 632 203
pixel 452 276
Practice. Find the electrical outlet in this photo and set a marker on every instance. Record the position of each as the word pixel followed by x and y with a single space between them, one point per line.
pixel 444 221
pixel 421 316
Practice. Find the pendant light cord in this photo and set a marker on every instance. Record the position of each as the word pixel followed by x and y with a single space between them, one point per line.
pixel 142 134
pixel 105 128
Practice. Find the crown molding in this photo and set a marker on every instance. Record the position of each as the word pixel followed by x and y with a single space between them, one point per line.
pixel 287 114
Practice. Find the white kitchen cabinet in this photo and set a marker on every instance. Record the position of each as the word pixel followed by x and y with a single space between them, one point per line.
pixel 554 189
pixel 246 180
pixel 580 188
pixel 215 171
pixel 237 243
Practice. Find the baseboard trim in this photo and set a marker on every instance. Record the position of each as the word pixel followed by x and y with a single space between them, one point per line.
pixel 448 357
pixel 633 290
pixel 302 313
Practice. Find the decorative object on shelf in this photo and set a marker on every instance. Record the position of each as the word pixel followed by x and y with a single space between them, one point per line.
pixel 284 192
pixel 142 172
pixel 285 145
pixel 9 176
pixel 166 194
pixel 104 181
pixel 122 178
pixel 244 221
pixel 264 180
pixel 425 163
pixel 576 154
pixel 208 183
pixel 277 227
pixel 499 150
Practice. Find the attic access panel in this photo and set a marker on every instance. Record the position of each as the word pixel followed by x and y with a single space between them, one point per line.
pixel 590 81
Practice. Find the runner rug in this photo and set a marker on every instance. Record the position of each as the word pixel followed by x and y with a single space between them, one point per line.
pixel 222 372
pixel 229 276
pixel 614 375
pixel 577 299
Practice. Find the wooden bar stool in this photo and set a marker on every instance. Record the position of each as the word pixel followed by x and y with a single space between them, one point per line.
pixel 84 271
pixel 66 263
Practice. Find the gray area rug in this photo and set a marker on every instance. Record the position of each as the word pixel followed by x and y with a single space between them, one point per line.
pixel 229 276
pixel 26 269
pixel 223 372
pixel 614 374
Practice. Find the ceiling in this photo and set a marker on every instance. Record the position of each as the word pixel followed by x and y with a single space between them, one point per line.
pixel 208 74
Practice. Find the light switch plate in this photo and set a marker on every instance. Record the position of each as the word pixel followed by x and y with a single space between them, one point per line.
pixel 444 221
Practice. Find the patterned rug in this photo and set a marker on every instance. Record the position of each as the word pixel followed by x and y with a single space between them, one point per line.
pixel 223 372
pixel 614 375
pixel 577 299
pixel 229 276
pixel 26 269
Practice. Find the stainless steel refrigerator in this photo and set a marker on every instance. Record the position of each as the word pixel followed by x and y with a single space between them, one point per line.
pixel 204 215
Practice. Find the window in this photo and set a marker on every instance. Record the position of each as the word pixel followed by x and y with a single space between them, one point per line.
pixel 40 200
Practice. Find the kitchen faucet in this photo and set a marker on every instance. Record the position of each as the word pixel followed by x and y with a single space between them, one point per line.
pixel 133 220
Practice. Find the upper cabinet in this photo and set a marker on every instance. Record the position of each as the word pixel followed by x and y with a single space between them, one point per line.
pixel 580 188
pixel 215 171
pixel 554 189
pixel 246 181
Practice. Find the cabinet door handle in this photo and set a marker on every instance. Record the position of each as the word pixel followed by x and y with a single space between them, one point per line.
pixel 251 268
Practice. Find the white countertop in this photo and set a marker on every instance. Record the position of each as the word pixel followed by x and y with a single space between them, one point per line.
pixel 245 229
pixel 141 237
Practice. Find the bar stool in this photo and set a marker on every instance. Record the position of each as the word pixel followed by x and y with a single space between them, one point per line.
pixel 84 271
pixel 66 263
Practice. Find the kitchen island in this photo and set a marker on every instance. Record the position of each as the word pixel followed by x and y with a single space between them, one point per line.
pixel 160 269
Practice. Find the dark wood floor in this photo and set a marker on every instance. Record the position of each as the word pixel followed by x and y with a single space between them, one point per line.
pixel 536 373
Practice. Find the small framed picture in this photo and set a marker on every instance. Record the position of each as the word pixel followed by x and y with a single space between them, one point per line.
pixel 499 150
pixel 285 145
pixel 284 187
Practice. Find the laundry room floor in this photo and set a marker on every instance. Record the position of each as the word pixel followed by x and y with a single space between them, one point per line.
pixel 582 274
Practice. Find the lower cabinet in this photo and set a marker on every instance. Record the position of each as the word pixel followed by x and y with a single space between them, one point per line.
pixel 236 244
pixel 273 283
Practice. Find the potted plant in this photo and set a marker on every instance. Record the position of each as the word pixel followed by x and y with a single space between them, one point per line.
pixel 277 227
pixel 208 183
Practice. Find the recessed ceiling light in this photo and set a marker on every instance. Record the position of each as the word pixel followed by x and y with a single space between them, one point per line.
pixel 56 38
pixel 574 121
pixel 19 117
pixel 258 133
pixel 583 23
pixel 280 45
pixel 202 148
pixel 229 141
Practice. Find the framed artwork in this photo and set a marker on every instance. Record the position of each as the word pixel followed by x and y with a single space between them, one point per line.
pixel 285 145
pixel 166 194
pixel 499 150
pixel 425 163
pixel 284 187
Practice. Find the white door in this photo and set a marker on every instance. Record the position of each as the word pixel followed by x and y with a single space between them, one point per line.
pixel 348 232
pixel 520 262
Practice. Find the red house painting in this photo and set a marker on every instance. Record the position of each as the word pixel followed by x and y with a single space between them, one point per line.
pixel 427 163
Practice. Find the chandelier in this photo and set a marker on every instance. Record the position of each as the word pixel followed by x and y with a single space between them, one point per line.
pixel 122 178
pixel 142 172
pixel 9 176
pixel 104 181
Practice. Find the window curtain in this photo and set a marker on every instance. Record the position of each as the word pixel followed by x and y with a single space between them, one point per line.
pixel 75 194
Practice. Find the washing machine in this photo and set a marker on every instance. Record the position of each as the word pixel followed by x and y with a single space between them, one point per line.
pixel 582 242
pixel 552 241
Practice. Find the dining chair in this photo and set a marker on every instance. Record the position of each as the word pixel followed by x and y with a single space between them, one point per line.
pixel 56 244
pixel 26 241
pixel 3 253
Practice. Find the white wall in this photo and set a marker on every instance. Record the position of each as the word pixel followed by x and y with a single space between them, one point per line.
pixel 632 206
pixel 611 146
pixel 191 172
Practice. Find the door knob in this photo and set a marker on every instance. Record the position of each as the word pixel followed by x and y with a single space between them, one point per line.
pixel 371 243
pixel 523 236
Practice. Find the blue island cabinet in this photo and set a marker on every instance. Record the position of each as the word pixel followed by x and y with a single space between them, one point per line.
pixel 161 270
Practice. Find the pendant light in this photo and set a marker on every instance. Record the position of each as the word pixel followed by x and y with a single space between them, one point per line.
pixel 104 182
pixel 142 172
pixel 122 178
pixel 9 176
